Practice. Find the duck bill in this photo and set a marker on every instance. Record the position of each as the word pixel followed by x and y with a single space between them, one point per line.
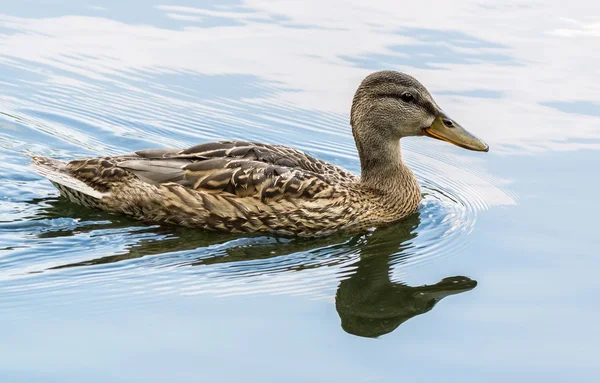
pixel 447 130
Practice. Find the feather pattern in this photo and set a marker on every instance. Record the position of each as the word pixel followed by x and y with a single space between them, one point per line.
pixel 233 186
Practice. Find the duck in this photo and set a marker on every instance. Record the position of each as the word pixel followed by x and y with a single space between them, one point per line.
pixel 249 187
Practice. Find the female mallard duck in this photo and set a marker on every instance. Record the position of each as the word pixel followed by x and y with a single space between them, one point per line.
pixel 239 186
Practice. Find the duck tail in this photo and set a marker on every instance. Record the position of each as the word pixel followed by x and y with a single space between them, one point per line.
pixel 69 187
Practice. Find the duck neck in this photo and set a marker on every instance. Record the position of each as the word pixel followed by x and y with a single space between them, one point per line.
pixel 381 164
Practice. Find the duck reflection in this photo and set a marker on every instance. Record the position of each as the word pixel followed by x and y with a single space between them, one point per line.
pixel 368 302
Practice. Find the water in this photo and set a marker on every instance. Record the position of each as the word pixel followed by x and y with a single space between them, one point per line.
pixel 507 239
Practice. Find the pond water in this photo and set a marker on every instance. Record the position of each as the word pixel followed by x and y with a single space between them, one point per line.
pixel 494 279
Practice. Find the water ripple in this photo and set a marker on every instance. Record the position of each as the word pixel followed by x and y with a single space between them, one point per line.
pixel 87 103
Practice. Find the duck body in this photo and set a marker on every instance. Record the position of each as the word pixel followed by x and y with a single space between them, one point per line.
pixel 232 186
pixel 239 186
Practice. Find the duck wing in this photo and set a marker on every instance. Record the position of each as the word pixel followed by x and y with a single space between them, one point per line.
pixel 236 168
pixel 279 155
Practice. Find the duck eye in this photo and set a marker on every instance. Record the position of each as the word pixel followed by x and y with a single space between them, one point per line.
pixel 406 97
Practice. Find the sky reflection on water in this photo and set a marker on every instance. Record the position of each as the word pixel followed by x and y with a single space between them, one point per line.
pixel 456 50
pixel 85 295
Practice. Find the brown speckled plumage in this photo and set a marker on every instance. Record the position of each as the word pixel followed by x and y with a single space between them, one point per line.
pixel 238 186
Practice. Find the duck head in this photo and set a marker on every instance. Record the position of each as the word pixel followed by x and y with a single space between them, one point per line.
pixel 389 105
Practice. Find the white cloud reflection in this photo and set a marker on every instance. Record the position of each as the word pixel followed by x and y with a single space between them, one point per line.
pixel 183 17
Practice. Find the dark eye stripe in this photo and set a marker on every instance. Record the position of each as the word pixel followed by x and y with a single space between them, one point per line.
pixel 392 95
pixel 426 105
pixel 400 97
